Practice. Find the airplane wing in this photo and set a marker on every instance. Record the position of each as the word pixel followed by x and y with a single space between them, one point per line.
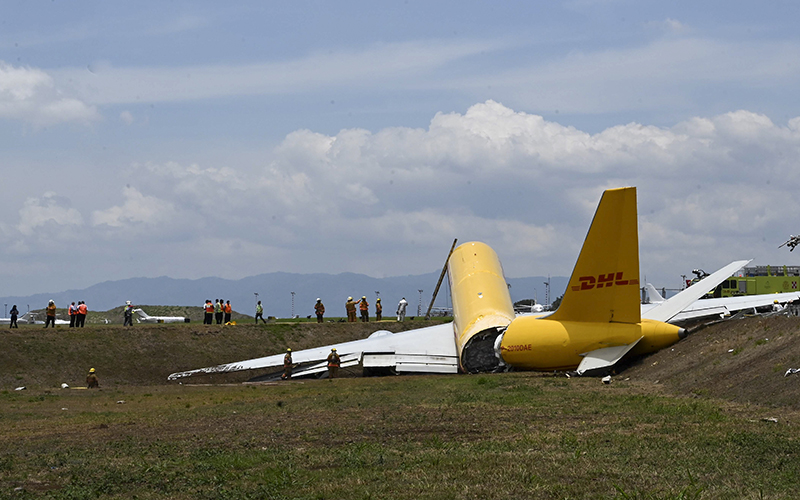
pixel 728 305
pixel 604 358
pixel 670 308
pixel 427 350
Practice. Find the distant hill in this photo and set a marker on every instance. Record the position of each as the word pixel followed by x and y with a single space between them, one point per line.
pixel 275 292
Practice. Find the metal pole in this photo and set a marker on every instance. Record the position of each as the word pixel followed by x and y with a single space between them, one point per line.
pixel 441 277
pixel 419 306
pixel 292 305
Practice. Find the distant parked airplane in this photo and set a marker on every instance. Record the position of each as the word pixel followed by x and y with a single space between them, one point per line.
pixel 146 318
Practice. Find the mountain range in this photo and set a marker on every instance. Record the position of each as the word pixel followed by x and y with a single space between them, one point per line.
pixel 275 292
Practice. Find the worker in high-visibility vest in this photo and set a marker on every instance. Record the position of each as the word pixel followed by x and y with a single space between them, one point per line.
pixel 319 309
pixel 72 311
pixel 350 307
pixel 208 319
pixel 50 312
pixel 378 309
pixel 80 319
pixel 363 306
pixel 259 312
pixel 227 309
pixel 218 311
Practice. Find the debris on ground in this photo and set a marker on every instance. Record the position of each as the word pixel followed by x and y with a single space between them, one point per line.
pixel 606 379
pixel 791 371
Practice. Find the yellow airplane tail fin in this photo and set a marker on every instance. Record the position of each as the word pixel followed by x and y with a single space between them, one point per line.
pixel 604 286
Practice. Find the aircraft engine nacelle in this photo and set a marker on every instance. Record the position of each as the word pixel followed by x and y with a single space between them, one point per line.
pixel 481 304
pixel 541 344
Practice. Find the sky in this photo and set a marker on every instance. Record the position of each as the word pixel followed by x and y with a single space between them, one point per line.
pixel 196 139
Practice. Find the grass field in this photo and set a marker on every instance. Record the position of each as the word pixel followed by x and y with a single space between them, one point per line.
pixel 501 436
pixel 513 435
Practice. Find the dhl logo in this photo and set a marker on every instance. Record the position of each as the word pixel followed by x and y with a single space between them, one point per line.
pixel 602 280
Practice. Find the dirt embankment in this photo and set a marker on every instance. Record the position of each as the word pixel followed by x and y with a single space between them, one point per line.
pixel 741 360
pixel 146 354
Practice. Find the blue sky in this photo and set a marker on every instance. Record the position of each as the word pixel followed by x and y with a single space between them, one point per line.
pixel 195 139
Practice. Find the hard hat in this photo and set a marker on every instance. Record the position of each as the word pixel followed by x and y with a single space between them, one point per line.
pixel 318 299
pixel 378 299
pixel 349 298
pixel 128 302
pixel 775 301
pixel 91 370
pixel 51 301
pixel 333 349
pixel 288 349
pixel 363 296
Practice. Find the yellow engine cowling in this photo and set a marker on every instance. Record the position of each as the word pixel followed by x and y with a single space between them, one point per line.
pixel 481 304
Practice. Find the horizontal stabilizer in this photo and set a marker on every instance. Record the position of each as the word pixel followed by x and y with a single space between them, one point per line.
pixel 605 357
pixel 671 307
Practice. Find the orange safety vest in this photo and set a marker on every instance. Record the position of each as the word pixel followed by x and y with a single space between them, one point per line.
pixel 227 308
pixel 364 305
pixel 209 307
pixel 82 309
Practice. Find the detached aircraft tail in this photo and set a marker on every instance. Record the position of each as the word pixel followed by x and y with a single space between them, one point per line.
pixel 604 286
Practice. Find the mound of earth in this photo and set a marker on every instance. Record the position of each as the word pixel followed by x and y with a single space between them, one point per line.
pixel 146 354
pixel 742 360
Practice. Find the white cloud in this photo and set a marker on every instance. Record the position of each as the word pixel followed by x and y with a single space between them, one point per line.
pixel 376 65
pixel 137 209
pixel 711 190
pixel 126 117
pixel 32 96
pixel 49 210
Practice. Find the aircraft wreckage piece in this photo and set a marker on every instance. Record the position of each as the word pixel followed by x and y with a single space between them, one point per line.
pixel 599 321
pixel 482 305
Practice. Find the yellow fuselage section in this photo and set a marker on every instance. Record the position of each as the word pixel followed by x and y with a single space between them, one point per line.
pixel 531 343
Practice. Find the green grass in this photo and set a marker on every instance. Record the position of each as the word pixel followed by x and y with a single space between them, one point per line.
pixel 482 437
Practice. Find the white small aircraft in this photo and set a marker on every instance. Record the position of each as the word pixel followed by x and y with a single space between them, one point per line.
pixel 143 317
pixel 30 318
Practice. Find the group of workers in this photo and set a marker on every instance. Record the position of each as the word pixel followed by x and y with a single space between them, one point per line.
pixel 220 311
pixel 77 314
pixel 363 307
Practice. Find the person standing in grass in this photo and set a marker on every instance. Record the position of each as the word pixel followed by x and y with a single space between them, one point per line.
pixel 72 311
pixel 378 309
pixel 401 309
pixel 319 309
pixel 91 380
pixel 51 314
pixel 128 314
pixel 80 317
pixel 287 365
pixel 14 313
pixel 350 307
pixel 227 309
pixel 333 364
pixel 363 306
pixel 260 312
